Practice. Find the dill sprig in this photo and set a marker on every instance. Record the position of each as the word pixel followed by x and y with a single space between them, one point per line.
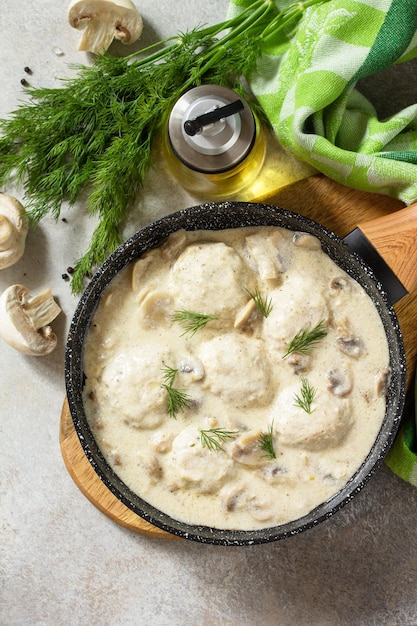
pixel 191 322
pixel 264 304
pixel 306 339
pixel 214 437
pixel 178 399
pixel 306 396
pixel 91 138
pixel 266 443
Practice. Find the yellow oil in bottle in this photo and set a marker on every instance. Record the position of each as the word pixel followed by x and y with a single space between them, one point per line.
pixel 226 156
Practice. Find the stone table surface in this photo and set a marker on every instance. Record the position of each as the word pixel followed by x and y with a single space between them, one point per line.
pixel 65 563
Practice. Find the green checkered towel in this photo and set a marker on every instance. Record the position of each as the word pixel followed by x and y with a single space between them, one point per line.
pixel 306 86
pixel 402 458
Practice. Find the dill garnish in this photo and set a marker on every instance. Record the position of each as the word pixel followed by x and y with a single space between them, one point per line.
pixel 178 399
pixel 214 437
pixel 306 339
pixel 264 304
pixel 305 399
pixel 266 443
pixel 94 134
pixel 191 321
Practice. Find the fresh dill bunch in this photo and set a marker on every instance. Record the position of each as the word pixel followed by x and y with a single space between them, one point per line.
pixel 178 399
pixel 192 322
pixel 306 396
pixel 264 304
pixel 91 139
pixel 306 339
pixel 266 443
pixel 214 437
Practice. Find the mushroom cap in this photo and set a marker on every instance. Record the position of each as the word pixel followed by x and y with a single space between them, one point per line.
pixel 13 230
pixel 105 20
pixel 16 327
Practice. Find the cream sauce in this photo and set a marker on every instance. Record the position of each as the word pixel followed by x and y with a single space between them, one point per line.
pixel 235 377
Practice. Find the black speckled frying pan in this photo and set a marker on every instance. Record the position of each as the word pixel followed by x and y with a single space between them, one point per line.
pixel 216 216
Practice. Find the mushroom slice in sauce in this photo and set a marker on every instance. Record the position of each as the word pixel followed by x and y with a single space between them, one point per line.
pixel 233 496
pixel 246 315
pixel 382 381
pixel 191 366
pixel 299 362
pixel 260 508
pixel 338 284
pixel 352 346
pixel 340 382
pixel 265 254
pixel 306 240
pixel 247 451
pixel 174 245
pixel 156 308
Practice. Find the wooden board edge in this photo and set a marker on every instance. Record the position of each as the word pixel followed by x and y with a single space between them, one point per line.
pixel 90 485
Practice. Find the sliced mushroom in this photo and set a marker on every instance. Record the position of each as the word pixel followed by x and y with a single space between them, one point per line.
pixel 338 284
pixel 246 315
pixel 264 252
pixel 161 442
pixel 306 240
pixel 25 319
pixel 13 230
pixel 299 362
pixel 139 271
pixel 247 451
pixel 192 366
pixel 232 497
pixel 340 382
pixel 175 244
pixel 156 308
pixel 260 508
pixel 352 346
pixel 104 20
pixel 382 381
pixel 151 465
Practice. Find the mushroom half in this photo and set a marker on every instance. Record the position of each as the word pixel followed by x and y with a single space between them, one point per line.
pixel 24 320
pixel 104 20
pixel 13 230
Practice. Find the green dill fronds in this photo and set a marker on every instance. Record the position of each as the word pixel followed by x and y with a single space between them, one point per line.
pixel 169 374
pixel 178 399
pixel 306 339
pixel 92 137
pixel 264 304
pixel 214 437
pixel 266 443
pixel 191 322
pixel 305 399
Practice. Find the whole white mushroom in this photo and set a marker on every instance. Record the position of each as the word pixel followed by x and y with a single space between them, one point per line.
pixel 13 230
pixel 104 20
pixel 25 319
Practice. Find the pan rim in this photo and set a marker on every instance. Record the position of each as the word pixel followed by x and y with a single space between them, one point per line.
pixel 217 216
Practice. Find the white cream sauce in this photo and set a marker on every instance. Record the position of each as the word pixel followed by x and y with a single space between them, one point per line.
pixel 235 377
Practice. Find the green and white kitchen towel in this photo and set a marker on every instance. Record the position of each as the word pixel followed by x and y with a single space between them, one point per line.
pixel 306 85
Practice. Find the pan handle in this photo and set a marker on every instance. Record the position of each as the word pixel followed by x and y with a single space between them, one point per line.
pixel 394 237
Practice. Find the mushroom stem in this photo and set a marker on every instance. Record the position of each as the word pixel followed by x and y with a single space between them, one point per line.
pixel 41 309
pixel 24 320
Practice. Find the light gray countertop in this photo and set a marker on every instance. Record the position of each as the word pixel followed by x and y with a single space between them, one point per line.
pixel 65 563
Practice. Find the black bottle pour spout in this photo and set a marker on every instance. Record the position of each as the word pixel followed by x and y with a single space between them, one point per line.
pixel 192 127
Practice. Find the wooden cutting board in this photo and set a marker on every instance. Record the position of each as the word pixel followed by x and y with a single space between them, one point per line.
pixel 338 208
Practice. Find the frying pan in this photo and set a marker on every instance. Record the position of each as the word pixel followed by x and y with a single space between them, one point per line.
pixel 380 282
